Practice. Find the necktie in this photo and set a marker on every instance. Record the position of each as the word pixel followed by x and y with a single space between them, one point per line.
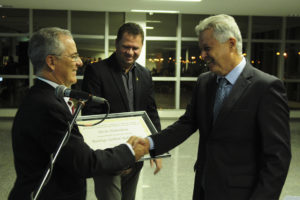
pixel 222 92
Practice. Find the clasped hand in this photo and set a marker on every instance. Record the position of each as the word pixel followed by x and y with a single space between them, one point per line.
pixel 140 146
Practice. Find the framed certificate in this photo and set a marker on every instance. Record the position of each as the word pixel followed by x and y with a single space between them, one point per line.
pixel 116 129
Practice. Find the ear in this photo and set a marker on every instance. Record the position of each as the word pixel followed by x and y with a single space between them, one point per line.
pixel 232 43
pixel 51 60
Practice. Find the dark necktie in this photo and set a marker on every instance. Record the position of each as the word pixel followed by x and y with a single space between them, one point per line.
pixel 222 92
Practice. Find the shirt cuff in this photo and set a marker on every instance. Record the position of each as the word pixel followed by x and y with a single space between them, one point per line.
pixel 131 149
pixel 151 143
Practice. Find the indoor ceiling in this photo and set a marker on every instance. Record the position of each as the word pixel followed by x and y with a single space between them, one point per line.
pixel 232 7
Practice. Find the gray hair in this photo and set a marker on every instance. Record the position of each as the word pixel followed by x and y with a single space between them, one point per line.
pixel 224 27
pixel 45 42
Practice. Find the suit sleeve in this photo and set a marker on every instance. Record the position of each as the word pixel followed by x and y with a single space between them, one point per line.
pixel 273 120
pixel 76 156
pixel 92 84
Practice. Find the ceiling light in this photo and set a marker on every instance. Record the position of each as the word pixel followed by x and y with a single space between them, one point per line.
pixel 183 0
pixel 149 27
pixel 153 21
pixel 175 0
pixel 156 11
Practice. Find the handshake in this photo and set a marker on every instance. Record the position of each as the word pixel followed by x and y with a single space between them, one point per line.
pixel 140 146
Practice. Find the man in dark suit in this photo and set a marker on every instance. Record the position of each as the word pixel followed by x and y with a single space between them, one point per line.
pixel 42 121
pixel 128 87
pixel 244 147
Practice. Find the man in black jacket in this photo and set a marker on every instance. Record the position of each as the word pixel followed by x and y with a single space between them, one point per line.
pixel 128 87
pixel 42 121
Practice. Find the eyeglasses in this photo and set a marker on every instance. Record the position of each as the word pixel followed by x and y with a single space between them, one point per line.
pixel 74 57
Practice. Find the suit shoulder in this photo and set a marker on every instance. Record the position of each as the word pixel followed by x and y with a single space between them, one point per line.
pixel 261 76
pixel 205 76
pixel 143 70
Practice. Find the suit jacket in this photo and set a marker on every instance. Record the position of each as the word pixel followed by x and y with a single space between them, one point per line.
pixel 104 79
pixel 246 153
pixel 39 126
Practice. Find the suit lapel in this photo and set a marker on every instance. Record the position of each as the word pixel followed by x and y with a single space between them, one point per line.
pixel 211 91
pixel 116 74
pixel 237 90
pixel 137 87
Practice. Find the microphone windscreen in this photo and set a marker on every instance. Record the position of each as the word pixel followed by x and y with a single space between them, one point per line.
pixel 59 91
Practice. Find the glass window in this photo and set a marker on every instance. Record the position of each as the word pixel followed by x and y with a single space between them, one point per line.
pixel 292 61
pixel 112 47
pixel 116 20
pixel 189 22
pixel 14 20
pixel 12 92
pixel 161 24
pixel 90 23
pixel 186 92
pixel 264 56
pixel 293 93
pixel 293 28
pixel 13 55
pixel 266 27
pixel 164 94
pixel 160 57
pixel 191 64
pixel 242 22
pixel 90 51
pixel 49 18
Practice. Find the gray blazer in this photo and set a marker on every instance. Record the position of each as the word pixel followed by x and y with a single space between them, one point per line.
pixel 246 153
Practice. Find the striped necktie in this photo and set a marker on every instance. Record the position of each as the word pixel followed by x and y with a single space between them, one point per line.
pixel 222 92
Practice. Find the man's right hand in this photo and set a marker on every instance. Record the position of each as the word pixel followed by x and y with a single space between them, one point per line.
pixel 140 146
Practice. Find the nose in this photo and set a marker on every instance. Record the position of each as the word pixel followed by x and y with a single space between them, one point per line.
pixel 130 51
pixel 79 62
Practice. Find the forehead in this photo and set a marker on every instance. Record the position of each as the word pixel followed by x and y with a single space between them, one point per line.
pixel 69 43
pixel 130 38
pixel 207 37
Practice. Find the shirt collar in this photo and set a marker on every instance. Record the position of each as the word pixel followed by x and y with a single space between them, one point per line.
pixel 53 84
pixel 233 75
pixel 131 69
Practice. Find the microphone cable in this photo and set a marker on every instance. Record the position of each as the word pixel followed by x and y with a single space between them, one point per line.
pixel 101 120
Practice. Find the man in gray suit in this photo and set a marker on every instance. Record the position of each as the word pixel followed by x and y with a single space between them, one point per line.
pixel 244 147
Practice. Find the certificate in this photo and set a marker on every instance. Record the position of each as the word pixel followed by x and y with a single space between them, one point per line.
pixel 116 129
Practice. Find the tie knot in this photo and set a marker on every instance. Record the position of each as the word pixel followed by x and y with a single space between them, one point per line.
pixel 222 82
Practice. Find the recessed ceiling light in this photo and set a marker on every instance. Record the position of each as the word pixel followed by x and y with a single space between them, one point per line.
pixel 177 0
pixel 156 11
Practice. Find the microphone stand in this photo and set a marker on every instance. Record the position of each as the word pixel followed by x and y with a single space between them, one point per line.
pixel 46 178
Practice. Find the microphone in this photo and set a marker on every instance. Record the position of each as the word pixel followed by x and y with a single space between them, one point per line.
pixel 63 91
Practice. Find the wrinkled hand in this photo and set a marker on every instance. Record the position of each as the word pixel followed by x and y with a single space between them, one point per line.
pixel 140 146
pixel 158 163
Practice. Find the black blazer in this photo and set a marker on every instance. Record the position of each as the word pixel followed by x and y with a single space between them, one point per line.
pixel 246 153
pixel 104 79
pixel 39 125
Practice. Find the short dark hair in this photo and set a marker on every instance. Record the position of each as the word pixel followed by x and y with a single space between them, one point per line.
pixel 130 28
